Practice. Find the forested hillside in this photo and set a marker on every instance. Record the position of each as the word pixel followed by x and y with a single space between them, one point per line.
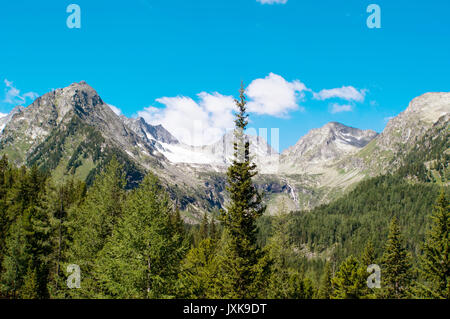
pixel 133 243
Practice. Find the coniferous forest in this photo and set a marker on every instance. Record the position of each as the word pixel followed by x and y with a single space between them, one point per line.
pixel 133 242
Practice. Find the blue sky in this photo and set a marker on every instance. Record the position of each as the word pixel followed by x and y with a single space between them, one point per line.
pixel 307 62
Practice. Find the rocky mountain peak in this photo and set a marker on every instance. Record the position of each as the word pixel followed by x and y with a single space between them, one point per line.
pixel 325 145
pixel 431 106
pixel 153 133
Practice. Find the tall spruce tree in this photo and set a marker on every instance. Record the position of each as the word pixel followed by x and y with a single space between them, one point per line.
pixel 435 261
pixel 142 258
pixel 349 282
pixel 59 200
pixel 241 255
pixel 396 272
pixel 92 223
pixel 326 287
pixel 199 271
pixel 27 246
pixel 368 258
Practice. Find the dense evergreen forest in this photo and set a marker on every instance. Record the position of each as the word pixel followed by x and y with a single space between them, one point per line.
pixel 134 244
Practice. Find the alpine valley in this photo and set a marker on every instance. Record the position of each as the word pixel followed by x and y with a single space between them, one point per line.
pixel 71 131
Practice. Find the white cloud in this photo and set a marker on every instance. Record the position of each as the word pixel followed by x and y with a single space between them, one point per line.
pixel 3 115
pixel 337 108
pixel 115 109
pixel 274 96
pixel 13 96
pixel 348 93
pixel 205 119
pixel 191 122
pixel 272 1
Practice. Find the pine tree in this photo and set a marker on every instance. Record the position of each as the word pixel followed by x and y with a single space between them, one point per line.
pixel 396 267
pixel 203 231
pixel 27 245
pixel 213 232
pixel 142 258
pixel 284 280
pixel 241 255
pixel 92 223
pixel 5 221
pixel 15 261
pixel 368 257
pixel 30 289
pixel 199 271
pixel 326 288
pixel 349 281
pixel 435 262
pixel 59 200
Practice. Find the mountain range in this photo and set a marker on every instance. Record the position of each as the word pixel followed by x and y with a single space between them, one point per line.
pixel 72 131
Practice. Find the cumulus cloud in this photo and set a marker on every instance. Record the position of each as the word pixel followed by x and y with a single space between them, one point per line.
pixel 204 119
pixel 272 1
pixel 274 96
pixel 192 122
pixel 13 96
pixel 337 108
pixel 348 93
pixel 115 109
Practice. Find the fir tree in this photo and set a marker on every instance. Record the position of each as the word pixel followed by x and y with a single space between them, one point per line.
pixel 142 258
pixel 30 289
pixel 59 200
pixel 27 245
pixel 92 223
pixel 203 231
pixel 396 266
pixel 241 255
pixel 326 288
pixel 199 271
pixel 284 281
pixel 435 262
pixel 368 256
pixel 349 281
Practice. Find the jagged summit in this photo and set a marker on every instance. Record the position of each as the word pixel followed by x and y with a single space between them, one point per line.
pixel 324 145
pixel 152 133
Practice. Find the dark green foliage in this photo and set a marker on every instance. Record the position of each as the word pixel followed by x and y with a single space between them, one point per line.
pixel 198 276
pixel 396 266
pixel 326 287
pixel 285 280
pixel 93 221
pixel 241 255
pixel 142 257
pixel 26 243
pixel 363 215
pixel 435 262
pixel 349 281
